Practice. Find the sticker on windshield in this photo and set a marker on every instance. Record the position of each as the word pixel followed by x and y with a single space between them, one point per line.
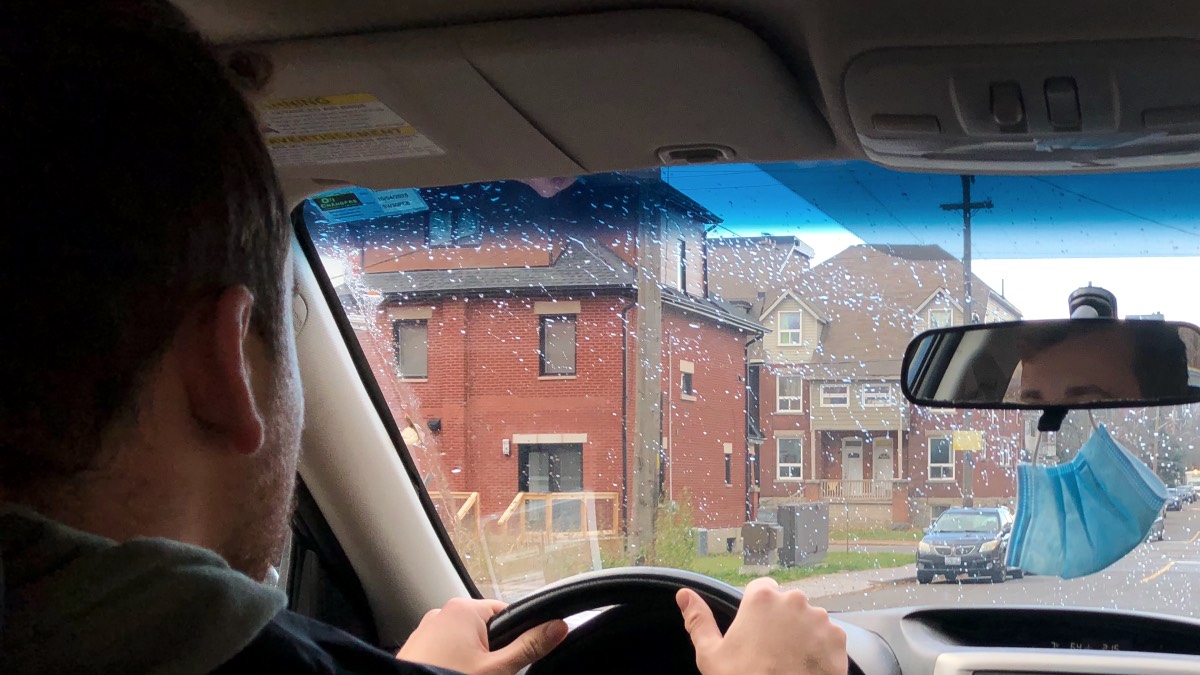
pixel 339 129
pixel 356 203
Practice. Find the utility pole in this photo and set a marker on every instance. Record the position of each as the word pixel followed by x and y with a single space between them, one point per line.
pixel 648 375
pixel 968 207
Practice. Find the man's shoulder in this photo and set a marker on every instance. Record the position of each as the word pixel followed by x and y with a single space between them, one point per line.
pixel 292 643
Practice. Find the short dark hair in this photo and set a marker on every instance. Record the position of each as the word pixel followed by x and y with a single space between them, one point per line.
pixel 137 185
pixel 1159 355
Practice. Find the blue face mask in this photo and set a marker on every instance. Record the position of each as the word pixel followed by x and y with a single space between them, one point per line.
pixel 1077 518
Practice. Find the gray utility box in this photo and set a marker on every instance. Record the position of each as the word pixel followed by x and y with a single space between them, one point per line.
pixel 804 536
pixel 759 543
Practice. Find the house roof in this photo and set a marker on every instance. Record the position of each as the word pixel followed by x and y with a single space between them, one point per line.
pixel 583 265
pixel 755 270
pixel 870 295
pixel 713 308
pixel 820 316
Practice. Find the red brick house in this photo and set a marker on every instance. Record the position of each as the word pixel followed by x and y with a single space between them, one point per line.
pixel 833 418
pixel 510 338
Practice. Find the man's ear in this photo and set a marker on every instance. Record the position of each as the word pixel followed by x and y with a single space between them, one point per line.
pixel 217 370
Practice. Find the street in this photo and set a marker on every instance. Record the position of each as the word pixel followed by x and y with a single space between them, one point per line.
pixel 1156 577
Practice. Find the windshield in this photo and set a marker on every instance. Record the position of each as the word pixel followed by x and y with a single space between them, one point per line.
pixel 967 522
pixel 699 367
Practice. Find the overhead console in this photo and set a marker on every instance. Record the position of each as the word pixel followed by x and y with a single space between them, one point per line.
pixel 1038 108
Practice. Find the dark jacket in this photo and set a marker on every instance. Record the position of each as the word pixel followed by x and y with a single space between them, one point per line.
pixel 73 602
pixel 297 645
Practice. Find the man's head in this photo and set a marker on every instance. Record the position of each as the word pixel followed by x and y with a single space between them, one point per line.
pixel 1094 360
pixel 149 369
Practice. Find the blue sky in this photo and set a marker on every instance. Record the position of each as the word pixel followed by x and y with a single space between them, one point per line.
pixel 1136 234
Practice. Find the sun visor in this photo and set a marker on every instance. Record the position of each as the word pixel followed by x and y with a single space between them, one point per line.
pixel 530 98
pixel 1029 109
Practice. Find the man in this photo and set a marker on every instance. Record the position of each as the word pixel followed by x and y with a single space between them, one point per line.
pixel 1095 360
pixel 151 405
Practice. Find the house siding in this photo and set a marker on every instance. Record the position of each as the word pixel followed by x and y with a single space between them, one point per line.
pixel 856 416
pixel 810 335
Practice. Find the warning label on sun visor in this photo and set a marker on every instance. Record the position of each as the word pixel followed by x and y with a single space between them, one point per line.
pixel 339 129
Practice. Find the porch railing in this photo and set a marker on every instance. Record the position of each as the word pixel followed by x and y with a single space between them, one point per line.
pixel 557 515
pixel 862 491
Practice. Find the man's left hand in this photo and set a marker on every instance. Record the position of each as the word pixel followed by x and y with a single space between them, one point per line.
pixel 455 637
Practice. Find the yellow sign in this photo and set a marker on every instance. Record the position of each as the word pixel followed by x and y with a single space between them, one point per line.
pixel 339 129
pixel 968 441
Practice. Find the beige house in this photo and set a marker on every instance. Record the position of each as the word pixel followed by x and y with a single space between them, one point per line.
pixel 834 421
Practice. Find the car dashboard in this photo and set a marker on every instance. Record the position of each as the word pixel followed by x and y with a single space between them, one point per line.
pixel 1019 641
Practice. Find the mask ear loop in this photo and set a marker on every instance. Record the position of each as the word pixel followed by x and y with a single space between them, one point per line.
pixel 1093 419
pixel 1037 447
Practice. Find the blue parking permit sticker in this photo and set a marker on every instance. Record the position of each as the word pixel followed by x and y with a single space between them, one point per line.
pixel 396 202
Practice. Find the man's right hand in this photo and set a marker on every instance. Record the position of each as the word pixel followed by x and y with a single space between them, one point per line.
pixel 775 631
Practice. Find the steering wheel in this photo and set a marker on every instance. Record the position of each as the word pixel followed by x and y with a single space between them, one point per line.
pixel 642 621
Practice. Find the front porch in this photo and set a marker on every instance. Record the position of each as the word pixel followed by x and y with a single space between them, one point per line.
pixel 839 491
pixel 855 503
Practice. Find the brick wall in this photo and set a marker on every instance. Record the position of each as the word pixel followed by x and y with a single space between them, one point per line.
pixel 774 422
pixel 698 430
pixel 994 475
pixel 484 386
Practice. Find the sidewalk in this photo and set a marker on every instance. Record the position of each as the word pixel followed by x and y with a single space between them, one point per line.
pixel 853 582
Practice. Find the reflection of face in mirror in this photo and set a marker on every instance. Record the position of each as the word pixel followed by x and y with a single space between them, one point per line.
pixel 1095 361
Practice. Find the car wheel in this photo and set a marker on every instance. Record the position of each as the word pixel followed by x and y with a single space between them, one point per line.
pixel 999 575
pixel 923 578
pixel 1018 574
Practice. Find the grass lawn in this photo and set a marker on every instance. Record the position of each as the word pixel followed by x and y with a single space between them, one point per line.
pixel 879 534
pixel 725 567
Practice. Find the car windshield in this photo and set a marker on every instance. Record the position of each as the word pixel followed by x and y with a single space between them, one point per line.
pixel 967 522
pixel 698 367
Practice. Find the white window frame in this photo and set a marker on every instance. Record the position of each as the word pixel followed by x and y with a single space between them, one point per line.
pixel 886 399
pixel 780 465
pixel 825 397
pixel 795 336
pixel 940 310
pixel 929 465
pixel 779 397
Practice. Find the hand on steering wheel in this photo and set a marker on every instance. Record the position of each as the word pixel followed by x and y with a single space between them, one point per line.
pixel 773 631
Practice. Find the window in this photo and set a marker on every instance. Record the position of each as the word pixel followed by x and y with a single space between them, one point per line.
pixel 940 318
pixel 791 394
pixel 941 458
pixel 835 396
pixel 557 352
pixel 729 463
pixel 687 380
pixel 789 329
pixel 790 459
pixel 411 340
pixel 460 227
pixel 685 385
pixel 681 269
pixel 877 396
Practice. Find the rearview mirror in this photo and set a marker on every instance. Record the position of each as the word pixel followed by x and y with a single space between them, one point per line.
pixel 1069 363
